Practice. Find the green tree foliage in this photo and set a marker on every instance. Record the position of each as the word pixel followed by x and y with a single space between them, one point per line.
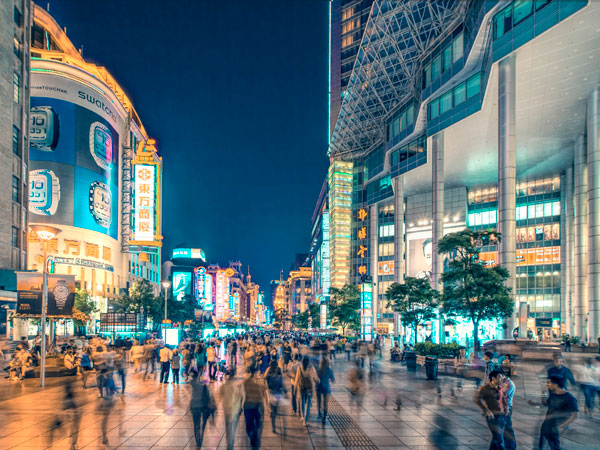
pixel 470 288
pixel 180 311
pixel 415 300
pixel 140 298
pixel 85 305
pixel 300 320
pixel 344 307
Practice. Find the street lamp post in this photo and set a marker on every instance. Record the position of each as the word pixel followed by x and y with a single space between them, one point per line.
pixel 45 233
pixel 166 285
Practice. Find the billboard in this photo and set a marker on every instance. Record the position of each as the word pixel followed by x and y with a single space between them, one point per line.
pixel 386 267
pixel 61 294
pixel 73 156
pixel 189 253
pixel 145 202
pixel 526 256
pixel 366 311
pixel 420 257
pixel 182 284
pixel 221 295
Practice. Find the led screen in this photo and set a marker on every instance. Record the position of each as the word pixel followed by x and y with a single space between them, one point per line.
pixel 182 284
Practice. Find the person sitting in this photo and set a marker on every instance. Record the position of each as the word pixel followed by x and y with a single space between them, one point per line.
pixel 71 361
pixel 396 352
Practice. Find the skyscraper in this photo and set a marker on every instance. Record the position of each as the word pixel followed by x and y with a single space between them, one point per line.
pixel 15 24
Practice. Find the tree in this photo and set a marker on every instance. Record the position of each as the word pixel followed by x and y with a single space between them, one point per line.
pixel 300 320
pixel 83 308
pixel 180 311
pixel 415 300
pixel 140 298
pixel 344 307
pixel 470 288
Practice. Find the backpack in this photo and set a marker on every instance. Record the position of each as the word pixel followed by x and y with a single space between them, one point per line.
pixel 306 383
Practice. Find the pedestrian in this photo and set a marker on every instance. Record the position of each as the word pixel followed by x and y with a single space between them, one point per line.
pixel 274 378
pixel 232 398
pixel 186 355
pixel 292 371
pixel 306 379
pixel 587 376
pixel 86 365
pixel 492 402
pixel 562 410
pixel 325 374
pixel 175 365
pixel 356 384
pixel 137 353
pixel 69 416
pixel 211 355
pixel 107 403
pixel 558 369
pixel 490 365
pixel 148 358
pixel 348 349
pixel 255 394
pixel 101 366
pixel 121 366
pixel 165 356
pixel 202 407
pixel 508 390
pixel 567 343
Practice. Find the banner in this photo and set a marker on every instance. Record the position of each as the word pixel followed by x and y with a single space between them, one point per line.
pixel 61 294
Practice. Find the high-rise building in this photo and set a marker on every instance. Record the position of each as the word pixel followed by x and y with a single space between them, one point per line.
pixel 348 19
pixel 297 291
pixel 94 172
pixel 15 32
pixel 482 115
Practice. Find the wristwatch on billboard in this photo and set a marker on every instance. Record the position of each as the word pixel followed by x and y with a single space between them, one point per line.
pixel 61 293
pixel 44 194
pixel 101 203
pixel 101 146
pixel 44 129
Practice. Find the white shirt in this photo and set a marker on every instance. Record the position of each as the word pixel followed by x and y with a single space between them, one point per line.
pixel 165 354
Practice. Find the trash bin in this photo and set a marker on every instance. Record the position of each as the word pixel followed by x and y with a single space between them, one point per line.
pixel 411 361
pixel 431 367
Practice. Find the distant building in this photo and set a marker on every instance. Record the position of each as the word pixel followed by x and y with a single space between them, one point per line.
pixel 297 291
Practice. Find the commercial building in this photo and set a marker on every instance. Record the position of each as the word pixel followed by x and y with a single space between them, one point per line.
pixel 94 173
pixel 297 290
pixel 15 31
pixel 477 114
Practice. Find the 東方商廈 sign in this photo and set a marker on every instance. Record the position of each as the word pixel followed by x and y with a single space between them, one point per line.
pixel 366 311
pixel 363 248
pixel 145 202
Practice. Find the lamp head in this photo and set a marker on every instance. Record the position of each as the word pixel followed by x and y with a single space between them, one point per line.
pixel 45 232
pixel 166 284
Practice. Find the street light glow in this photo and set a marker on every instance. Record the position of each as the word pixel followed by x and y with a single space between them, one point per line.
pixel 45 232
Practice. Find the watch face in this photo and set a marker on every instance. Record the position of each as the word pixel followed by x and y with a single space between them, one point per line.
pixel 44 192
pixel 101 145
pixel 61 293
pixel 43 132
pixel 101 203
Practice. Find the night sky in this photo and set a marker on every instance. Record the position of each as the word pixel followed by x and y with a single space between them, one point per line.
pixel 235 93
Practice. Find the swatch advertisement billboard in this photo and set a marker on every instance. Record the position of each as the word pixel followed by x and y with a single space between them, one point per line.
pixel 73 156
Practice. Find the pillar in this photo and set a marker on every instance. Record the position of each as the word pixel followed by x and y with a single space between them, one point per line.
pixel 507 173
pixel 580 290
pixel 437 227
pixel 593 160
pixel 564 276
pixel 373 250
pixel 398 240
pixel 567 264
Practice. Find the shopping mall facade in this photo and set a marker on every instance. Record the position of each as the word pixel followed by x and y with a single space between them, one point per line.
pixel 94 173
pixel 480 115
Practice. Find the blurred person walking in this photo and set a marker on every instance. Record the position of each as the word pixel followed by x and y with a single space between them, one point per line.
pixel 70 417
pixel 306 379
pixel 492 402
pixel 326 377
pixel 202 406
pixel 232 398
pixel 255 395
pixel 274 378
pixel 562 410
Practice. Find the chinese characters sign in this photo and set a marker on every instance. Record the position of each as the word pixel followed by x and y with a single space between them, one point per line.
pixel 145 202
pixel 363 251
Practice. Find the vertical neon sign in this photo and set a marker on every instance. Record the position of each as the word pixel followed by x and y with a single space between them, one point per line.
pixel 366 311
pixel 208 292
pixel 221 294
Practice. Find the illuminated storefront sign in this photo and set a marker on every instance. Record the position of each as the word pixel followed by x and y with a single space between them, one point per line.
pixel 526 256
pixel 363 248
pixel 386 267
pixel 189 253
pixel 366 311
pixel 145 202
pixel 221 295
pixel 323 316
pixel 199 284
pixel 208 292
pixel 340 220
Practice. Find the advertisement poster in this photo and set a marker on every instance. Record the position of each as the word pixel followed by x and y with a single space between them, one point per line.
pixel 420 252
pixel 182 284
pixel 73 157
pixel 61 294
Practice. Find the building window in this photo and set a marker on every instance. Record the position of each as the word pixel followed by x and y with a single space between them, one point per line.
pixel 434 108
pixel 16 47
pixel 447 58
pixel 16 141
pixel 14 237
pixel 503 22
pixel 522 10
pixel 473 85
pixel 17 17
pixel 436 68
pixel 15 189
pixel 16 86
pixel 446 102
pixel 459 94
pixel 539 4
pixel 458 48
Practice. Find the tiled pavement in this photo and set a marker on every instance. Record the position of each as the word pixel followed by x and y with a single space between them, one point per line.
pixel 156 416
